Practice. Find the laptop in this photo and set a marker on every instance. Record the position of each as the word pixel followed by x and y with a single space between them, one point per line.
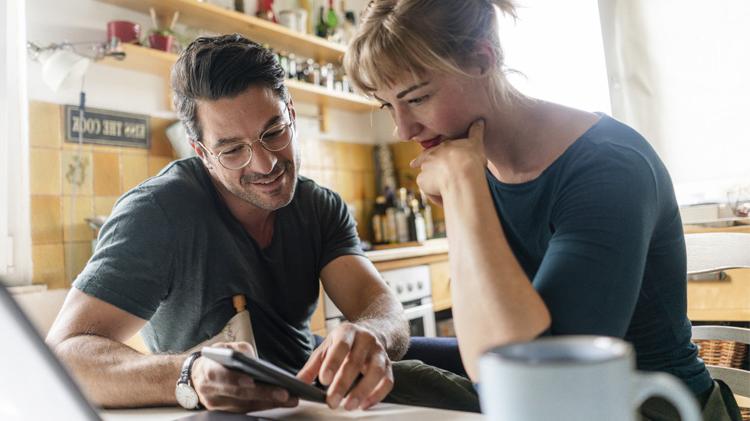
pixel 34 386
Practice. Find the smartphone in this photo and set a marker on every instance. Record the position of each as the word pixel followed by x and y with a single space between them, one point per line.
pixel 264 372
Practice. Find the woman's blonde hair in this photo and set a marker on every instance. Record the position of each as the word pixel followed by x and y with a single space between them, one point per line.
pixel 398 37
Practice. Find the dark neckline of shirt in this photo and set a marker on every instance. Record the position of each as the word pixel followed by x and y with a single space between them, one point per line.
pixel 571 149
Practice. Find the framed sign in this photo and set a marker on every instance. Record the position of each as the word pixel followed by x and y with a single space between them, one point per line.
pixel 105 127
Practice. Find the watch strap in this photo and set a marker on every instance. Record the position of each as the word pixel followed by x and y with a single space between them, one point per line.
pixel 187 367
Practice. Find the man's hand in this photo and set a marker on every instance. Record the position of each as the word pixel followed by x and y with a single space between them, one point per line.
pixel 222 389
pixel 347 352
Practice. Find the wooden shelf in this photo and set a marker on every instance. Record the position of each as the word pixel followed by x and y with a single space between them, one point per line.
pixel 143 59
pixel 222 21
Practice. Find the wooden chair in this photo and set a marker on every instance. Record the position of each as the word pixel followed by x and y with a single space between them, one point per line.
pixel 723 348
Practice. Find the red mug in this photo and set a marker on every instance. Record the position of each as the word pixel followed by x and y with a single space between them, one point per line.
pixel 125 31
pixel 161 42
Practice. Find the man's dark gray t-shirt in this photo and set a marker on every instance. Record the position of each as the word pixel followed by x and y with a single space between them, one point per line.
pixel 173 254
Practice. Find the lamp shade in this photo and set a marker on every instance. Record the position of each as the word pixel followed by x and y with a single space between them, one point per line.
pixel 62 68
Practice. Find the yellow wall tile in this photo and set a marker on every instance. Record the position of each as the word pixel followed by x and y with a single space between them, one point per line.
pixel 344 155
pixel 133 171
pixel 45 171
pixel 77 254
pixel 313 174
pixel 77 172
pixel 360 212
pixel 75 227
pixel 160 145
pixel 106 174
pixel 404 152
pixel 103 205
pixel 363 158
pixel 49 265
pixel 311 154
pixel 353 156
pixel 327 178
pixel 46 220
pixel 45 124
pixel 156 164
pixel 327 153
pixel 369 186
pixel 349 185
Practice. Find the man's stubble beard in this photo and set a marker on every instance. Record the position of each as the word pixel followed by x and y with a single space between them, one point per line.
pixel 260 201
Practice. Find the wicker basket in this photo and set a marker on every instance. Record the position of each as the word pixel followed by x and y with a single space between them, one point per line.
pixel 724 354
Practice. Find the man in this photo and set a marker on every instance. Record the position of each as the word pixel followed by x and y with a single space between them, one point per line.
pixel 237 219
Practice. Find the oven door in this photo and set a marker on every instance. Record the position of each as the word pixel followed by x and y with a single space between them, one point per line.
pixel 421 318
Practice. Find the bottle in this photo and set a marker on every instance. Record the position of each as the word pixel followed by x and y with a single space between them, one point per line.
pixel 402 217
pixel 390 228
pixel 321 29
pixel 332 22
pixel 420 232
pixel 284 62
pixel 265 11
pixel 426 209
pixel 309 71
pixel 291 63
pixel 378 221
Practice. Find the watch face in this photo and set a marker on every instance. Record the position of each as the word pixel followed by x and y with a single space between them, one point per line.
pixel 186 396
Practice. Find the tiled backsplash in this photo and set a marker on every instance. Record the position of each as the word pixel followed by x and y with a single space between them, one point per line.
pixel 100 174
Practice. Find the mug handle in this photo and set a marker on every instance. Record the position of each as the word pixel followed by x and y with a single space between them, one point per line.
pixel 646 385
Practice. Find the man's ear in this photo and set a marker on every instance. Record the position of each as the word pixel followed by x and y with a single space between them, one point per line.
pixel 292 110
pixel 198 149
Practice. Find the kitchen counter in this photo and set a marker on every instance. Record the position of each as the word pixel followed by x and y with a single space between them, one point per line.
pixel 428 248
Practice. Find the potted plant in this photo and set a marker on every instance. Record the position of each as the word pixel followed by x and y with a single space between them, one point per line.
pixel 162 38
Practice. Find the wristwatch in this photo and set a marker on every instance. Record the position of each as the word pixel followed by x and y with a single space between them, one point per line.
pixel 186 396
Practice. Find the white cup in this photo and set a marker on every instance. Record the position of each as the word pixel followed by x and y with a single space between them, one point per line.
pixel 573 378
pixel 288 18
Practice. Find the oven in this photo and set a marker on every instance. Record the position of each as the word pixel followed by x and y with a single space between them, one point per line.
pixel 413 290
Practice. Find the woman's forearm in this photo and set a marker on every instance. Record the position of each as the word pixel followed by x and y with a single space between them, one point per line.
pixel 493 300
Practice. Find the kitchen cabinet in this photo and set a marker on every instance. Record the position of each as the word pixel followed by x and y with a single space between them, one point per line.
pixel 720 300
pixel 441 285
pixel 434 254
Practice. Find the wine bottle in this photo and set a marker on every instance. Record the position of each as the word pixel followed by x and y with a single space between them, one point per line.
pixel 321 29
pixel 378 221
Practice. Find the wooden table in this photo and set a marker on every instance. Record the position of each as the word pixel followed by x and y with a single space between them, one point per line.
pixel 307 411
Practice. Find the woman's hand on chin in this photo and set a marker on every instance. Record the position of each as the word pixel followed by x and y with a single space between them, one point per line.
pixel 451 162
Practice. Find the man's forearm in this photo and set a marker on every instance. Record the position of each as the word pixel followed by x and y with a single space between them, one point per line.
pixel 385 318
pixel 114 375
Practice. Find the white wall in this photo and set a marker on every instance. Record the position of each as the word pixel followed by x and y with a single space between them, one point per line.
pixel 123 90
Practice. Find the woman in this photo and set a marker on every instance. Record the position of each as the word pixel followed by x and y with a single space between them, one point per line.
pixel 560 221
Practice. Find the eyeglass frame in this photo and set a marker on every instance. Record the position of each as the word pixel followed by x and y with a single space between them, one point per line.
pixel 291 125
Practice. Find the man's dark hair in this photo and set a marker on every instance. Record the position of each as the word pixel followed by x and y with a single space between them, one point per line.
pixel 224 66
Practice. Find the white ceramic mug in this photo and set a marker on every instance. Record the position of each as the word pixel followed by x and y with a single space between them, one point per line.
pixel 573 378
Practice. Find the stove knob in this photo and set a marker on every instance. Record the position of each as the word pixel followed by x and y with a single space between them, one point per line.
pixel 420 285
pixel 399 290
pixel 409 287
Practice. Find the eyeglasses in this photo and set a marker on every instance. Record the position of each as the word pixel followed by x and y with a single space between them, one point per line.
pixel 238 155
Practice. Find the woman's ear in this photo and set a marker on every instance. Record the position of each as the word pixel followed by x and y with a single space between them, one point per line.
pixel 483 58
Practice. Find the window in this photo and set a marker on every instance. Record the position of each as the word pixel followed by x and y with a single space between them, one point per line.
pixel 15 230
pixel 557 48
pixel 679 75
